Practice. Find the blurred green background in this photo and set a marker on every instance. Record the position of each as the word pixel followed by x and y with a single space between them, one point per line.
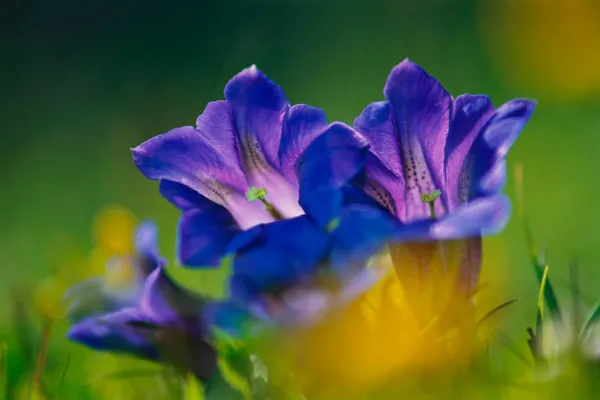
pixel 82 82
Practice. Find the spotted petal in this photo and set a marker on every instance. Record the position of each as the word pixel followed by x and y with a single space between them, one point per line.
pixel 258 107
pixel 470 115
pixel 194 158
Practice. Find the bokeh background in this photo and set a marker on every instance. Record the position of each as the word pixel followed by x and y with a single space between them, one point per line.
pixel 82 82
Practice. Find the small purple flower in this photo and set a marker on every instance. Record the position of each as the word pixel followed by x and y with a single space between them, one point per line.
pixel 252 139
pixel 434 162
pixel 122 282
pixel 165 325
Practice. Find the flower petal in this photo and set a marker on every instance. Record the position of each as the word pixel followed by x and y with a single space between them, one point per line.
pixel 470 264
pixel 216 126
pixel 482 216
pixel 261 113
pixel 376 124
pixel 302 125
pixel 180 330
pixel 205 228
pixel 335 158
pixel 119 332
pixel 485 167
pixel 258 107
pixel 362 232
pixel 92 297
pixel 471 112
pixel 168 304
pixel 146 247
pixel 184 155
pixel 384 186
pixel 421 110
pixel 287 252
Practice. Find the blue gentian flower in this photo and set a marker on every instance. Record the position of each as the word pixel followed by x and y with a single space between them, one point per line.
pixel 435 163
pixel 249 141
pixel 294 271
pixel 165 325
pixel 122 282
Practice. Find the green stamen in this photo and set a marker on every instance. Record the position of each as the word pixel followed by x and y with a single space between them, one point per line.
pixel 430 198
pixel 255 193
pixel 333 224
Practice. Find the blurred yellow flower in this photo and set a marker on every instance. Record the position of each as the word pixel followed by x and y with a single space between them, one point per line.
pixel 384 335
pixel 548 47
pixel 113 229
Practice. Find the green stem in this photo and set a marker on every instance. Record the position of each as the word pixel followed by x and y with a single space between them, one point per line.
pixel 430 198
pixel 432 210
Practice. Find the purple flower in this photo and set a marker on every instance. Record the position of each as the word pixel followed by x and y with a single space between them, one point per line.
pixel 293 272
pixel 165 325
pixel 122 282
pixel 252 139
pixel 434 162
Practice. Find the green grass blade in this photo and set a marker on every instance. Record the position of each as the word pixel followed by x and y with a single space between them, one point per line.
pixel 496 309
pixel 540 269
pixel 63 375
pixel 542 294
pixel 590 321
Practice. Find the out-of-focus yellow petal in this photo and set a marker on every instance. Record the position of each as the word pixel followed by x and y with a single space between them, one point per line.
pixel 548 47
pixel 388 333
pixel 97 263
pixel 48 297
pixel 120 272
pixel 113 229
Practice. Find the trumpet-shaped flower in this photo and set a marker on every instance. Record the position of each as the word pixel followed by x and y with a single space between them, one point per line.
pixel 434 162
pixel 250 140
pixel 165 325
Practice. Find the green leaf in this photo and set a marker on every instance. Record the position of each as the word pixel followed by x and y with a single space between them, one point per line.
pixel 218 388
pixel 193 389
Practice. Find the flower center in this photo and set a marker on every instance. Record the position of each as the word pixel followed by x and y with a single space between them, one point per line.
pixel 260 194
pixel 430 198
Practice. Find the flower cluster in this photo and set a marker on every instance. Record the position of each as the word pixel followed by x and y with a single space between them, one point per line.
pixel 307 214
